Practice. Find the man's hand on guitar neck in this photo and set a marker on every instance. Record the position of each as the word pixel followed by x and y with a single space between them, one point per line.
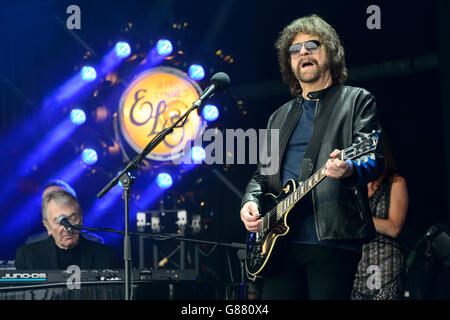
pixel 338 169
pixel 250 216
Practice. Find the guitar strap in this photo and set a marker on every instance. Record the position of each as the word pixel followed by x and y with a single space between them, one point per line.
pixel 331 95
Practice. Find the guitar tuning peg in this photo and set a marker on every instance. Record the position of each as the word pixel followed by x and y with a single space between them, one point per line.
pixel 372 156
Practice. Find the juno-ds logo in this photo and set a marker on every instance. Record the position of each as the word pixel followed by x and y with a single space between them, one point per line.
pixel 24 276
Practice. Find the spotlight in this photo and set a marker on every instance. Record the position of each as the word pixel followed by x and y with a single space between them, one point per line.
pixel 164 180
pixel 198 154
pixel 89 156
pixel 122 49
pixel 88 73
pixel 196 72
pixel 77 116
pixel 210 112
pixel 164 47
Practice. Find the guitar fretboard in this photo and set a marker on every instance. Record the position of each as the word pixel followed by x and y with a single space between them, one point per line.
pixel 276 213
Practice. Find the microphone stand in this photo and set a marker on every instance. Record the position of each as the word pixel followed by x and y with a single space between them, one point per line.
pixel 126 178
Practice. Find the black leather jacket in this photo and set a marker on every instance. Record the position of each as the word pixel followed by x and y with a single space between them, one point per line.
pixel 341 207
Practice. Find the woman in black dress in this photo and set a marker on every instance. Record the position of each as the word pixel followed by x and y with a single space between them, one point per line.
pixel 380 271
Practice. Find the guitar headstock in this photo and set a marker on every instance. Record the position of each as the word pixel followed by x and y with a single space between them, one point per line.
pixel 363 146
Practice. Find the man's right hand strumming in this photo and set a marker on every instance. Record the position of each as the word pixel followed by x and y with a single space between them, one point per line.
pixel 250 216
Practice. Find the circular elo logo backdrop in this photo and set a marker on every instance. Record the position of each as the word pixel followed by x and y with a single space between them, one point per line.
pixel 154 101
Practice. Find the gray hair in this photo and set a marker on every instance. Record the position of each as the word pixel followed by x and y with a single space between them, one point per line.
pixel 61 197
pixel 62 184
pixel 312 25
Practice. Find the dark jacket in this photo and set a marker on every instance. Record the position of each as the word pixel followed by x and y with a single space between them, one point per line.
pixel 341 208
pixel 42 255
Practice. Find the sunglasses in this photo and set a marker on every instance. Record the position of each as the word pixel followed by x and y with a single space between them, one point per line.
pixel 310 45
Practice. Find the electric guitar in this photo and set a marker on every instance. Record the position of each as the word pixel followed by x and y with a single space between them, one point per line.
pixel 275 209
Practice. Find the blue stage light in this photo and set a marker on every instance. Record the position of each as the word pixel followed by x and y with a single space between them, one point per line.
pixel 102 206
pixel 210 112
pixel 77 116
pixel 88 73
pixel 89 156
pixel 122 49
pixel 196 72
pixel 198 154
pixel 164 180
pixel 164 47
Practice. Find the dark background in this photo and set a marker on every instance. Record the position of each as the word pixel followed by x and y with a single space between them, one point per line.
pixel 403 64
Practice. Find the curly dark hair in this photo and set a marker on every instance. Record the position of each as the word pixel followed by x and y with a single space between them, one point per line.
pixel 312 25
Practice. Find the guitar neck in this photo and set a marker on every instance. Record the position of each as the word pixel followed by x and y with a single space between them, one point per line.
pixel 276 213
pixel 301 191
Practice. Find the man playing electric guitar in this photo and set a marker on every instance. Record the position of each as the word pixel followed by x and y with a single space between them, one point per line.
pixel 329 225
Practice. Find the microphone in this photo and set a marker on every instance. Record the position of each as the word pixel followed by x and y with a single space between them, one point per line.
pixel 431 233
pixel 63 221
pixel 219 82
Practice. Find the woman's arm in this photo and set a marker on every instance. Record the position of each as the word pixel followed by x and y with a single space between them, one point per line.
pixel 398 209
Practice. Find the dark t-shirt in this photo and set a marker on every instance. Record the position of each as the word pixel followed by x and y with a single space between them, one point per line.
pixel 298 142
